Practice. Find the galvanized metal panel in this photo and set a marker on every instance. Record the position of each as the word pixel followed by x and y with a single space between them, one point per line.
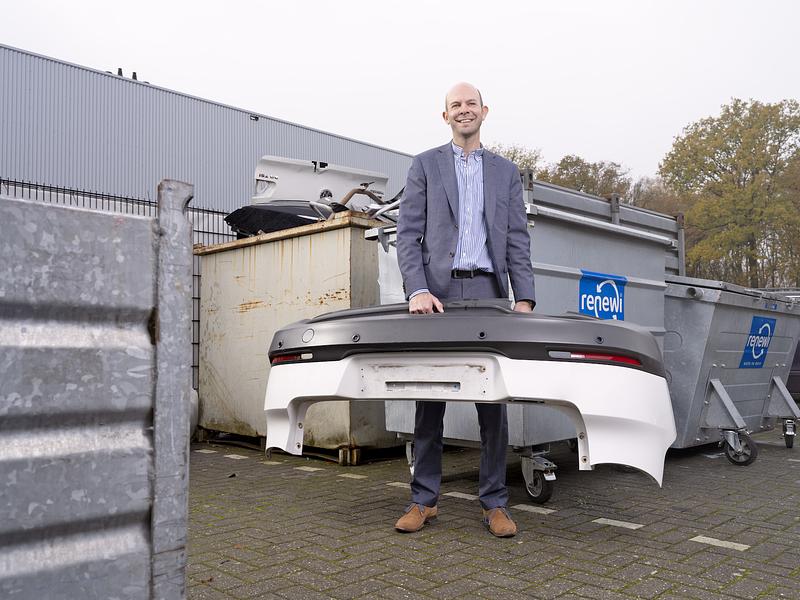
pixel 93 409
pixel 570 232
pixel 545 195
pixel 707 326
pixel 208 227
pixel 75 127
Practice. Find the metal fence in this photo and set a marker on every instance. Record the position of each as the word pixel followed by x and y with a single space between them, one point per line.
pixel 208 227
pixel 94 398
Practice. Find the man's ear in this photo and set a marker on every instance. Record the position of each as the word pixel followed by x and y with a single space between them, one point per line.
pixel 444 116
pixel 484 110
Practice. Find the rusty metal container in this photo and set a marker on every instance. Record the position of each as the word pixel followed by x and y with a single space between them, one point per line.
pixel 252 287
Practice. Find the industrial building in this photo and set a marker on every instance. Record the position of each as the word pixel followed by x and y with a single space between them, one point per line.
pixel 69 126
pixel 80 136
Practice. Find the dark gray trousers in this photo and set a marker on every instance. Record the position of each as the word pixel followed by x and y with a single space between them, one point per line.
pixel 492 418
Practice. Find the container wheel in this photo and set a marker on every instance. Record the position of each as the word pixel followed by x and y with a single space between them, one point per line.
pixel 748 453
pixel 539 489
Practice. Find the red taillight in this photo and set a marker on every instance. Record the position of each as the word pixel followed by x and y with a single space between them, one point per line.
pixel 285 358
pixel 609 357
pixel 291 358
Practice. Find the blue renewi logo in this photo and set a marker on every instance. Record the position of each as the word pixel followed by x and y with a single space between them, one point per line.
pixel 602 295
pixel 755 348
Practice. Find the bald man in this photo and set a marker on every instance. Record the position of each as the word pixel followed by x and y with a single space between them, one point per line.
pixel 462 234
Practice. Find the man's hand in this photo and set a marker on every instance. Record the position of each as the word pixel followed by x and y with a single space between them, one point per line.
pixel 424 304
pixel 523 306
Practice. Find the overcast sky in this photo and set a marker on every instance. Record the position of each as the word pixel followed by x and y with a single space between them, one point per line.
pixel 607 80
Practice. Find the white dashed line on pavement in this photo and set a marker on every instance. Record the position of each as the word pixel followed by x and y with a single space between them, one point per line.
pixel 614 523
pixel 720 543
pixel 533 509
pixel 790 460
pixel 399 484
pixel 461 495
pixel 308 469
pixel 715 455
pixel 353 476
pixel 271 462
pixel 235 457
pixel 204 451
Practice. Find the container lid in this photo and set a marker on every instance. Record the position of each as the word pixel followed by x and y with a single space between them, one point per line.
pixel 727 287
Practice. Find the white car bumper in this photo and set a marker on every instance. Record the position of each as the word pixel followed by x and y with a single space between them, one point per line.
pixel 621 415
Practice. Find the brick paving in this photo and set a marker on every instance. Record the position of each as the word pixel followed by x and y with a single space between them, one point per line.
pixel 266 529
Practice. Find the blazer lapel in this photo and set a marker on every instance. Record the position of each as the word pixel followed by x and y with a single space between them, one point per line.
pixel 447 172
pixel 489 187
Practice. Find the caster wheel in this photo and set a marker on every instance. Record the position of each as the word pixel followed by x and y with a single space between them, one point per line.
pixel 747 455
pixel 538 488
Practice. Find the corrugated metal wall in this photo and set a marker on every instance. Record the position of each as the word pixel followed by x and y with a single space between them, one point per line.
pixel 94 400
pixel 208 227
pixel 70 126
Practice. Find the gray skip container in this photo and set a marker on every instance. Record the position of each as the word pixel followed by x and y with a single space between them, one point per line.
pixel 95 355
pixel 728 351
pixel 590 256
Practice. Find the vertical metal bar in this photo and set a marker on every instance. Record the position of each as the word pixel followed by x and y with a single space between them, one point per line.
pixel 681 245
pixel 614 207
pixel 171 415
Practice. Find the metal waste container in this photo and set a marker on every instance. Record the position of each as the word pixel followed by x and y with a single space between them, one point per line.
pixel 95 330
pixel 254 286
pixel 728 352
pixel 590 256
pixel 793 381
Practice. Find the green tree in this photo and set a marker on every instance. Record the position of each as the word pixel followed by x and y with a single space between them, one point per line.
pixel 653 193
pixel 730 171
pixel 788 224
pixel 601 178
pixel 522 156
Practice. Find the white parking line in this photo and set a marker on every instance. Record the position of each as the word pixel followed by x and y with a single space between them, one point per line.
pixel 353 476
pixel 271 462
pixel 236 457
pixel 614 523
pixel 399 484
pixel 308 469
pixel 461 495
pixel 790 460
pixel 533 509
pixel 204 451
pixel 720 543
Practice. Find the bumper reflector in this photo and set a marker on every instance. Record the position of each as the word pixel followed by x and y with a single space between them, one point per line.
pixel 595 356
pixel 290 358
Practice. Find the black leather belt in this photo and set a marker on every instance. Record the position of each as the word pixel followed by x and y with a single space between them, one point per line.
pixel 467 273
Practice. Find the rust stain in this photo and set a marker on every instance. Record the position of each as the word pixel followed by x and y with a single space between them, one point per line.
pixel 247 306
pixel 328 297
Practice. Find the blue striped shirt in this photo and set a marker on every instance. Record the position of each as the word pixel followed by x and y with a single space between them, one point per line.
pixel 472 251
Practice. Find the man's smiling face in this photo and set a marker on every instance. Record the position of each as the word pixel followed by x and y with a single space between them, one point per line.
pixel 464 110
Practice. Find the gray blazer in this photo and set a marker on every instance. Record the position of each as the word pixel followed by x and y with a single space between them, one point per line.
pixel 427 231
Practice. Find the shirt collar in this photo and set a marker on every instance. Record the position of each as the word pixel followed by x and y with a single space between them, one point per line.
pixel 459 151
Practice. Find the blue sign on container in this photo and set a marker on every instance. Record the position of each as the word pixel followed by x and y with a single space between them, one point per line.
pixel 755 348
pixel 602 295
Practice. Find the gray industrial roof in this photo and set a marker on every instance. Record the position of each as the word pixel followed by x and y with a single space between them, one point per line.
pixel 75 127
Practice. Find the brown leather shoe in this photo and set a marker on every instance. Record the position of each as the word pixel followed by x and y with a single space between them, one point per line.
pixel 499 522
pixel 415 518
